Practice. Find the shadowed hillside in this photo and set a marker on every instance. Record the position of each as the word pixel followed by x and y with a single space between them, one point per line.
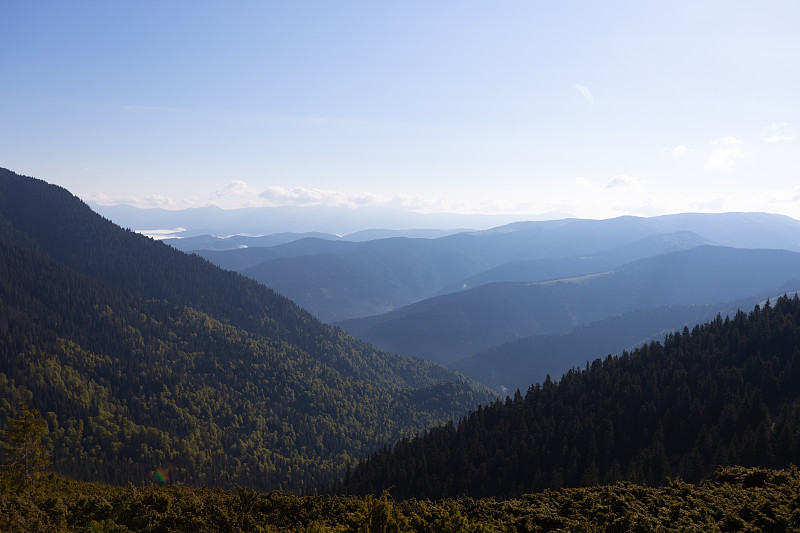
pixel 724 393
pixel 140 357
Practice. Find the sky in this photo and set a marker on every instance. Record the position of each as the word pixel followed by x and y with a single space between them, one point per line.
pixel 589 109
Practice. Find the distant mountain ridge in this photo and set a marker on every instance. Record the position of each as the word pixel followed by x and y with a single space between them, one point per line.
pixel 236 242
pixel 337 280
pixel 201 243
pixel 337 220
pixel 450 327
pixel 563 267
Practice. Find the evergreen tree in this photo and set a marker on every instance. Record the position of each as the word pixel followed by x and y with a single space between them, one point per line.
pixel 25 453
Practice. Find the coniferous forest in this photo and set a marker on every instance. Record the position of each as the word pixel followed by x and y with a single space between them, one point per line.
pixel 134 365
pixel 724 393
pixel 141 357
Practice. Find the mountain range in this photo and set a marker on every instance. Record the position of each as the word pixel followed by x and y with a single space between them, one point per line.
pixel 469 296
pixel 336 220
pixel 450 327
pixel 339 279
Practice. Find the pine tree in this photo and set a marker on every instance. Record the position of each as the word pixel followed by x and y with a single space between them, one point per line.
pixel 25 453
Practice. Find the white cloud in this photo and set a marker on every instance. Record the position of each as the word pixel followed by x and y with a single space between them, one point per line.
pixel 236 193
pixel 623 181
pixel 680 150
pixel 778 132
pixel 307 197
pixel 153 200
pixel 105 199
pixel 729 152
pixel 585 92
pixel 301 196
pixel 157 200
pixel 234 187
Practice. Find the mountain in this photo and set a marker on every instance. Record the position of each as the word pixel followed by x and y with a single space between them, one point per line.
pixel 451 327
pixel 565 267
pixel 517 364
pixel 522 241
pixel 724 393
pixel 419 233
pixel 739 230
pixel 338 280
pixel 244 258
pixel 142 357
pixel 235 242
pixel 338 220
pixel 341 281
pixel 370 277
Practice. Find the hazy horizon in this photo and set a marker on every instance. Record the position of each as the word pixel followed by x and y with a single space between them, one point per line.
pixel 587 109
pixel 334 220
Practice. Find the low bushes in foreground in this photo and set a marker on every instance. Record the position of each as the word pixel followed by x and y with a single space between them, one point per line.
pixel 738 499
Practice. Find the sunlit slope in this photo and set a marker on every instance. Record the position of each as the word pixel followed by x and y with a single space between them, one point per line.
pixel 141 356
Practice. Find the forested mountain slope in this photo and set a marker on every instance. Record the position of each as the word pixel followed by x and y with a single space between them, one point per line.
pixel 515 365
pixel 142 357
pixel 337 280
pixel 454 326
pixel 724 393
pixel 565 267
pixel 379 275
pixel 387 274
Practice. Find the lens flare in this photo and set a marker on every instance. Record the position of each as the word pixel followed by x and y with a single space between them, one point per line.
pixel 162 474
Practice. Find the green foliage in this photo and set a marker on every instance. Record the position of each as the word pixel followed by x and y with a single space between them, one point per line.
pixel 25 455
pixel 378 515
pixel 445 517
pixel 740 499
pixel 142 358
pixel 725 393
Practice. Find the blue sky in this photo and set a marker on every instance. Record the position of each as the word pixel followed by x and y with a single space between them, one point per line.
pixel 592 109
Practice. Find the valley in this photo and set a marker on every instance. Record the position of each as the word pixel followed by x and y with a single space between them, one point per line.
pixel 470 300
pixel 399 267
pixel 534 356
pixel 142 357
